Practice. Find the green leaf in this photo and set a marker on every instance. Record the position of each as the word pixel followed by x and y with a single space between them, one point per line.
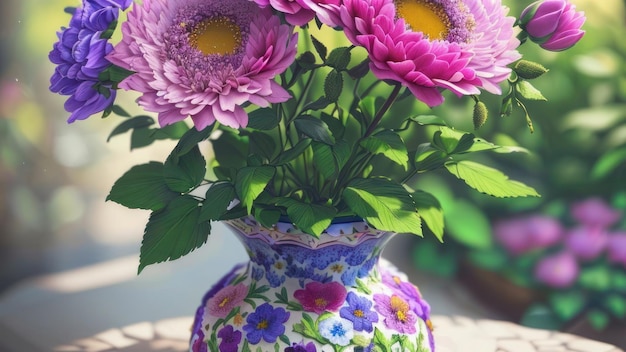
pixel 262 119
pixel 468 225
pixel 608 162
pixel 294 152
pixel 267 216
pixel 262 144
pixel 428 158
pixel 567 304
pixel 315 128
pixel 142 187
pixel 452 141
pixel 432 257
pixel 429 120
pixel 339 58
pixel 135 122
pixel 481 145
pixel 491 258
pixel 541 317
pixel 319 104
pixel 141 137
pixel 174 131
pixel 310 218
pixel 185 172
pixel 528 91
pixel 231 149
pixel 333 85
pixel 598 319
pixel 173 232
pixel 597 278
pixel 190 140
pixel 119 111
pixel 251 181
pixel 384 204
pixel 389 144
pixel 616 304
pixel 360 70
pixel 430 211
pixel 217 199
pixel 488 180
pixel 324 160
pixel 319 47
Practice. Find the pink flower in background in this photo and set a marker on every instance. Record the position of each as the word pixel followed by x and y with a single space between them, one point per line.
pixel 595 212
pixel 585 242
pixel 520 235
pixel 544 231
pixel 511 234
pixel 430 46
pixel 558 270
pixel 553 24
pixel 616 247
pixel 204 59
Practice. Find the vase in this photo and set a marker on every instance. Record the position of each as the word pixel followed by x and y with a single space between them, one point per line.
pixel 299 293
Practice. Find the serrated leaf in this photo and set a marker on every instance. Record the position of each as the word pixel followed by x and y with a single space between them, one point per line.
pixel 528 91
pixel 173 232
pixel 318 104
pixel 141 121
pixel 294 152
pixel 315 128
pixel 217 199
pixel 567 304
pixel 186 171
pixel 480 145
pixel 389 144
pixel 142 187
pixel 360 70
pixel 384 204
pixel 430 211
pixel 428 158
pixel 190 139
pixel 333 85
pixel 310 218
pixel 251 181
pixel 262 119
pixel 267 217
pixel 319 47
pixel 339 58
pixel 488 180
pixel 429 120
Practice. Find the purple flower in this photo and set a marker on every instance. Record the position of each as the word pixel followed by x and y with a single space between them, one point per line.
pixel 319 297
pixel 397 313
pixel 197 342
pixel 230 339
pixel 595 212
pixel 359 312
pixel 553 24
pixel 301 347
pixel 520 235
pixel 80 58
pixel 266 323
pixel 617 247
pixel 559 270
pixel 585 242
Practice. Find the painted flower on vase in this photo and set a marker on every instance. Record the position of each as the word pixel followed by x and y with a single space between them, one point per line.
pixel 558 270
pixel 80 58
pixel 266 323
pixel 230 339
pixel 433 45
pixel 553 24
pixel 359 312
pixel 320 297
pixel 301 347
pixel 337 330
pixel 204 59
pixel 226 299
pixel 197 343
pixel 397 313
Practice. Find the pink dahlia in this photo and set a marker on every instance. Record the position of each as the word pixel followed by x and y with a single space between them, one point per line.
pixel 204 58
pixel 432 45
pixel 301 12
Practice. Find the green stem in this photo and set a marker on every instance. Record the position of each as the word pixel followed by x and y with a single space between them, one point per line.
pixel 382 111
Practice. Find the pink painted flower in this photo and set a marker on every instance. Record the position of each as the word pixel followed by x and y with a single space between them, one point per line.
pixel 616 247
pixel 429 46
pixel 319 297
pixel 301 12
pixel 587 243
pixel 226 299
pixel 595 212
pixel 553 24
pixel 558 270
pixel 204 58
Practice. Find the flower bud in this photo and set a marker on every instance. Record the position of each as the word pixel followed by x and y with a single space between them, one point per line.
pixel 528 69
pixel 553 24
pixel 480 114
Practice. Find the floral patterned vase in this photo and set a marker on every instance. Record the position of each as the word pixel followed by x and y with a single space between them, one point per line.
pixel 302 294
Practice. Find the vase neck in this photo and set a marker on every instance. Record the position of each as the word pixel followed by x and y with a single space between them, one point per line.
pixel 277 256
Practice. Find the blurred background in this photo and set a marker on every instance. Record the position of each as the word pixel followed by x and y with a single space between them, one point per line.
pixel 54 178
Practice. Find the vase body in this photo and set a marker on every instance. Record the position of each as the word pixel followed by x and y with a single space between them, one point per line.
pixel 303 294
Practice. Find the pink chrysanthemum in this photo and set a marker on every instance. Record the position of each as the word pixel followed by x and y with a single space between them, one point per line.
pixel 300 12
pixel 431 45
pixel 204 58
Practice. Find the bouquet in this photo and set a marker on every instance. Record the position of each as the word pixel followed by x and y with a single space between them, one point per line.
pixel 313 110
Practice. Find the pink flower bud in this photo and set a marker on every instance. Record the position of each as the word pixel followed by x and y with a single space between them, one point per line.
pixel 559 270
pixel 617 248
pixel 553 24
pixel 586 243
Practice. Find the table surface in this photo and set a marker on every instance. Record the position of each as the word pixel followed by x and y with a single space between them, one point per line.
pixel 107 307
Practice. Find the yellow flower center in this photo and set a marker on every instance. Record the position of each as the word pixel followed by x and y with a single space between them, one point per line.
pixel 358 313
pixel 216 36
pixel 320 302
pixel 400 307
pixel 424 16
pixel 224 302
pixel 262 325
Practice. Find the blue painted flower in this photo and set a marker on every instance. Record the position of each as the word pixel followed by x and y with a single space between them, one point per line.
pixel 301 347
pixel 359 312
pixel 230 339
pixel 265 322
pixel 80 58
pixel 337 330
